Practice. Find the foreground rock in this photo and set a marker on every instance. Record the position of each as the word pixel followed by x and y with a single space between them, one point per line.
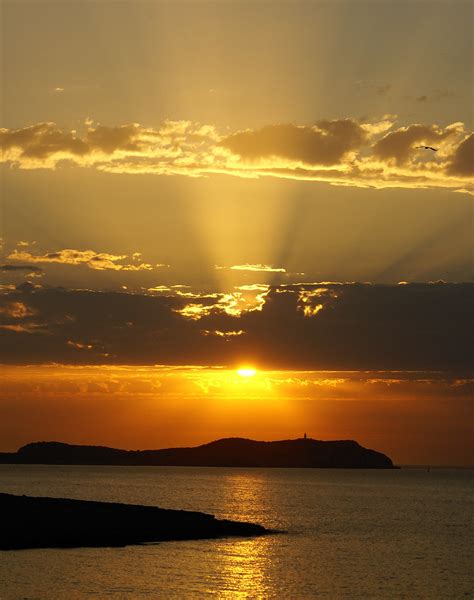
pixel 29 522
pixel 229 452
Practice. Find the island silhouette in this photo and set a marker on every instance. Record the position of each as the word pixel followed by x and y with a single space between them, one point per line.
pixel 228 452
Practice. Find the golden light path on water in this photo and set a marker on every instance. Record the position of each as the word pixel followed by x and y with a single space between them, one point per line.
pixel 245 564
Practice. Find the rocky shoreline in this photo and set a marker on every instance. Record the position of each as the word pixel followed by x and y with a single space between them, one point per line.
pixel 39 522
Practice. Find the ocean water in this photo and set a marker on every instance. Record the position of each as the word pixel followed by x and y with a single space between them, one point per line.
pixel 350 534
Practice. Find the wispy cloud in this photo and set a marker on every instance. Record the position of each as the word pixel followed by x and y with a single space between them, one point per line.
pixel 20 269
pixel 253 267
pixel 223 334
pixel 342 152
pixel 434 96
pixel 99 261
pixel 379 88
pixel 79 345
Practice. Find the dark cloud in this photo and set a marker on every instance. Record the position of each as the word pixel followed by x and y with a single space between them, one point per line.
pixel 324 144
pixel 20 268
pixel 41 140
pixel 26 287
pixel 462 162
pixel 317 326
pixel 109 139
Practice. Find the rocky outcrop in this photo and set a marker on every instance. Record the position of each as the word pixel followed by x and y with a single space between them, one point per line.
pixel 29 522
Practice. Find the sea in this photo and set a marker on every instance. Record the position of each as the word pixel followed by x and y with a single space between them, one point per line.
pixel 382 534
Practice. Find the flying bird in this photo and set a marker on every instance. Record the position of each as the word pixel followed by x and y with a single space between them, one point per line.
pixel 428 148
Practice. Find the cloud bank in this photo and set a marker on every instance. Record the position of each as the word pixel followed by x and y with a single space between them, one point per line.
pixel 303 326
pixel 349 152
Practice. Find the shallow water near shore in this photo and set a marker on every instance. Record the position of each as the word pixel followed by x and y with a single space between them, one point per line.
pixel 350 534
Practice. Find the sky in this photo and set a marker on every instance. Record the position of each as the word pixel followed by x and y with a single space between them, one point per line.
pixel 193 188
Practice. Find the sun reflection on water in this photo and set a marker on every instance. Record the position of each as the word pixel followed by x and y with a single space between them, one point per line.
pixel 245 568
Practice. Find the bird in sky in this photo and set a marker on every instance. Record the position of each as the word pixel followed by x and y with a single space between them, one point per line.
pixel 428 148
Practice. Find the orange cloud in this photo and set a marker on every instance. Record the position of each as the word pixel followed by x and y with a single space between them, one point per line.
pixel 17 310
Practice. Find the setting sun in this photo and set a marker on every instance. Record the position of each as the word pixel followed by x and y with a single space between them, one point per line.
pixel 246 372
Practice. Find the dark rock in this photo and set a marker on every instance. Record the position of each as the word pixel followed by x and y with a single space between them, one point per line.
pixel 28 522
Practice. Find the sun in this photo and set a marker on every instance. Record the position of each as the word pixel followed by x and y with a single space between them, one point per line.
pixel 246 371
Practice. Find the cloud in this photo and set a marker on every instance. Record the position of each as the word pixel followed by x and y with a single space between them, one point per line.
pixel 327 143
pixel 79 345
pixel 399 145
pixel 462 161
pixel 435 96
pixel 17 328
pixel 253 287
pixel 160 289
pixel 247 299
pixel 45 145
pixel 42 141
pixel 309 300
pixel 223 334
pixel 379 88
pixel 20 317
pixel 463 191
pixel 345 152
pixel 17 310
pixel 20 268
pixel 304 326
pixel 99 261
pixel 254 267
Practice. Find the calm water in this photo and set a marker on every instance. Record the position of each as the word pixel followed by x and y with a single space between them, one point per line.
pixel 351 534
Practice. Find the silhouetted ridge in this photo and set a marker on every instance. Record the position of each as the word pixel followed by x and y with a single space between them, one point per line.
pixel 227 452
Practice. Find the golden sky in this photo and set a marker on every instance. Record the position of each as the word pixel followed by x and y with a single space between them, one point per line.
pixel 207 186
